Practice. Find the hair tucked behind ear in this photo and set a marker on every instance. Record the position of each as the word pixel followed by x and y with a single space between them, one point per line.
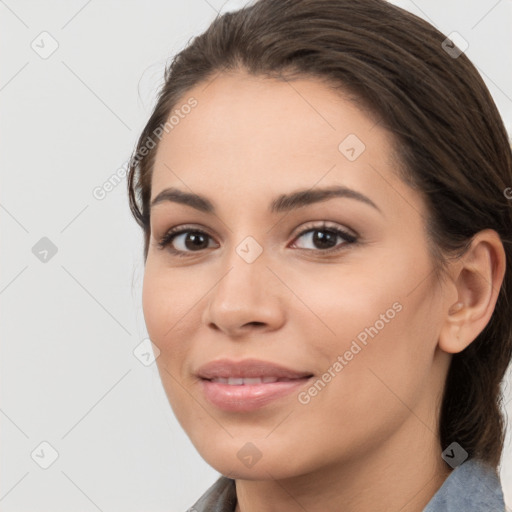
pixel 449 140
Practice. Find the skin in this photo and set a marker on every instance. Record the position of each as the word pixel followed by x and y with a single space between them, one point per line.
pixel 369 437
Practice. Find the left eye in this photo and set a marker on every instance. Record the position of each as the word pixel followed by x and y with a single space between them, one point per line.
pixel 325 238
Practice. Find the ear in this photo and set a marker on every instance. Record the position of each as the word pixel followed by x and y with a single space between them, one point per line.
pixel 477 278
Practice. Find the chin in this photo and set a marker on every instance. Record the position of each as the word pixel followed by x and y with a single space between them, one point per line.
pixel 243 460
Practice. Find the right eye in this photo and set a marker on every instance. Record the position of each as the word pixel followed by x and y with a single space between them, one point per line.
pixel 187 239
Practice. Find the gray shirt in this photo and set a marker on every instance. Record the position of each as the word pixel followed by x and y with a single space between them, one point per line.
pixel 470 487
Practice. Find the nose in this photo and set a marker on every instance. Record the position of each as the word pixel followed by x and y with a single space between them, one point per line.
pixel 246 298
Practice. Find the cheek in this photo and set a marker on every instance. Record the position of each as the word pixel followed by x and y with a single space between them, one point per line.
pixel 374 316
pixel 171 305
pixel 160 293
pixel 162 305
pixel 339 302
pixel 152 295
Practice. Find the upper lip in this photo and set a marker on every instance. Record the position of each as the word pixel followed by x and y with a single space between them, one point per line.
pixel 247 368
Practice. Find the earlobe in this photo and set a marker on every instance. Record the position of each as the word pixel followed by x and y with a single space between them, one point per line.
pixel 478 280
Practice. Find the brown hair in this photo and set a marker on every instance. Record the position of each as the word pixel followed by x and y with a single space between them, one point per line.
pixel 448 136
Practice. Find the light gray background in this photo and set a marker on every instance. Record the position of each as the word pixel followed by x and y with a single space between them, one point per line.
pixel 69 326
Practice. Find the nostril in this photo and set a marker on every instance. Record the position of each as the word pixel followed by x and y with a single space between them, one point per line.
pixel 255 323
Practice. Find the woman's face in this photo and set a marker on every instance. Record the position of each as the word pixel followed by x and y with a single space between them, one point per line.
pixel 360 311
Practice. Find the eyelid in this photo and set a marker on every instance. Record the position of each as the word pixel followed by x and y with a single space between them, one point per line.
pixel 324 225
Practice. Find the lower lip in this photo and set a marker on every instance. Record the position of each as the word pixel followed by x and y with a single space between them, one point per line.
pixel 248 397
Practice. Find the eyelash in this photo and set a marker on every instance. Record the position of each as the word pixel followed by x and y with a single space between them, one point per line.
pixel 169 236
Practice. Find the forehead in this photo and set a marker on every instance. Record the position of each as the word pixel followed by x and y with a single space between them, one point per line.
pixel 262 133
pixel 246 108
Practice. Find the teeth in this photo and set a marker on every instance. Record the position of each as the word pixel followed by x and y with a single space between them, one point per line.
pixel 238 381
pixel 222 380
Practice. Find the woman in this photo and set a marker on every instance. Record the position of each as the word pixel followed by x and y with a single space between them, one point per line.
pixel 321 188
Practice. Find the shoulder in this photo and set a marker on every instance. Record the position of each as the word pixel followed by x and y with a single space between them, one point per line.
pixel 219 497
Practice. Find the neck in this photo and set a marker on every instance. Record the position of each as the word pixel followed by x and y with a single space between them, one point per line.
pixel 402 476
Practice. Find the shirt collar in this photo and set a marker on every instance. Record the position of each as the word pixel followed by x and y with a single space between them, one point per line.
pixel 473 486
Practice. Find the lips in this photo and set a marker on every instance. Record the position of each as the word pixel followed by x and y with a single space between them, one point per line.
pixel 248 385
pixel 248 370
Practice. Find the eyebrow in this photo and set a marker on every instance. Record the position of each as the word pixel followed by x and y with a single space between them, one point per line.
pixel 282 203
